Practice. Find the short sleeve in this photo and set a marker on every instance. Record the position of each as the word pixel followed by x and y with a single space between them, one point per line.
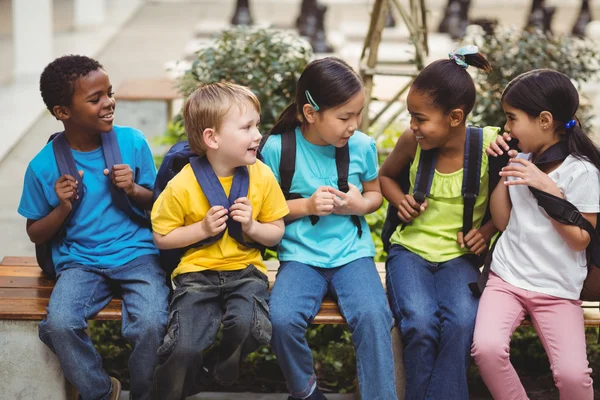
pixel 145 164
pixel 371 162
pixel 34 204
pixel 168 212
pixel 274 206
pixel 583 189
pixel 271 153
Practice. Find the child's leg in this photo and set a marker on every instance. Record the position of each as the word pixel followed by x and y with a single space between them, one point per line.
pixel 295 301
pixel 362 302
pixel 559 324
pixel 458 308
pixel 79 294
pixel 145 315
pixel 413 300
pixel 194 320
pixel 501 311
pixel 246 324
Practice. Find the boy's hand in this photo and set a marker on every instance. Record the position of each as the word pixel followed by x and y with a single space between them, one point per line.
pixel 475 241
pixel 66 190
pixel 122 177
pixel 215 221
pixel 350 203
pixel 241 211
pixel 409 209
pixel 501 144
pixel 321 202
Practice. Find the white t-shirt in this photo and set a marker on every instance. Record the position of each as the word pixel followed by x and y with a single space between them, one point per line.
pixel 531 254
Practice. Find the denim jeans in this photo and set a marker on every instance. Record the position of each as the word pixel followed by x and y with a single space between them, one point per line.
pixel 295 301
pixel 82 292
pixel 201 303
pixel 435 311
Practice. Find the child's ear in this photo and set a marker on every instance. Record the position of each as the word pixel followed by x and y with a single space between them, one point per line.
pixel 61 113
pixel 457 116
pixel 209 135
pixel 310 115
pixel 546 120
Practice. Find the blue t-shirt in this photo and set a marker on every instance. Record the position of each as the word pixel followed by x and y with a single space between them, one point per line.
pixel 98 234
pixel 333 241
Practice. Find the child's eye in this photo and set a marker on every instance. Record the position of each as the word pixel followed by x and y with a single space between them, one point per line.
pixel 94 101
pixel 111 94
pixel 343 119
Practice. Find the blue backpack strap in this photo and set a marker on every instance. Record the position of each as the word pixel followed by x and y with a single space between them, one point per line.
pixel 112 157
pixel 471 175
pixel 425 173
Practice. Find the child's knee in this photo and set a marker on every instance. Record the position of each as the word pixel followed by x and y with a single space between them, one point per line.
pixel 486 349
pixel 568 376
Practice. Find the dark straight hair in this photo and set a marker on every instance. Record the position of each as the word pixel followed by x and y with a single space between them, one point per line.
pixel 448 85
pixel 548 90
pixel 330 81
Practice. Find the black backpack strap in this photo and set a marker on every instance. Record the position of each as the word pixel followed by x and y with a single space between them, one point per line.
pixel 112 157
pixel 342 164
pixel 425 173
pixel 471 175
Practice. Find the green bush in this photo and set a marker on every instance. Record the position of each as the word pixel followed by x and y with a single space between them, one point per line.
pixel 268 61
pixel 512 52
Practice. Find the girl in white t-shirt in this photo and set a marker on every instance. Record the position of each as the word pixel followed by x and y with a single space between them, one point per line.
pixel 539 264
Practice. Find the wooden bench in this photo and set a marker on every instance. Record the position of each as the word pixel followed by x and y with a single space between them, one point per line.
pixel 149 89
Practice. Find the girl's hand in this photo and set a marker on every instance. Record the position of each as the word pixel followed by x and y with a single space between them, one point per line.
pixel 241 211
pixel 409 209
pixel 122 177
pixel 350 203
pixel 496 148
pixel 529 175
pixel 475 241
pixel 66 190
pixel 214 222
pixel 321 202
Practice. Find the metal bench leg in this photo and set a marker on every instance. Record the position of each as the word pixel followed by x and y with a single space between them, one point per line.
pixel 28 369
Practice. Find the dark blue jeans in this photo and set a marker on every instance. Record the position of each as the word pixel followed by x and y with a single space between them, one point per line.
pixel 201 303
pixel 80 293
pixel 295 301
pixel 435 311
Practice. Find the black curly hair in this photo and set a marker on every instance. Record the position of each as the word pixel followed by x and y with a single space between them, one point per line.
pixel 57 82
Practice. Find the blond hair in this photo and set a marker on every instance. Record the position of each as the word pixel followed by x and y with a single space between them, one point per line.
pixel 207 106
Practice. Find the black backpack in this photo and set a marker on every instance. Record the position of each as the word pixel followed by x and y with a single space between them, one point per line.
pixel 66 165
pixel 287 168
pixel 176 158
pixel 566 213
pixel 470 186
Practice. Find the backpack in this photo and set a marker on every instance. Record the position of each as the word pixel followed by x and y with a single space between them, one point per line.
pixel 470 186
pixel 566 213
pixel 66 165
pixel 287 168
pixel 178 156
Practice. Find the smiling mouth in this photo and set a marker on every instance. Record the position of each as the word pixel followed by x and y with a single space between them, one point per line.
pixel 419 137
pixel 108 117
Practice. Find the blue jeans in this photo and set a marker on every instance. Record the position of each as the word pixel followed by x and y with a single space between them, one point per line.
pixel 435 311
pixel 201 303
pixel 295 301
pixel 82 292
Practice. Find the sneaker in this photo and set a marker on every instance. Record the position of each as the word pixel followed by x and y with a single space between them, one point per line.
pixel 116 389
pixel 315 395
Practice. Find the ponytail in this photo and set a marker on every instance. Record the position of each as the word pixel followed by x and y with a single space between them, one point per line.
pixel 580 145
pixel 287 120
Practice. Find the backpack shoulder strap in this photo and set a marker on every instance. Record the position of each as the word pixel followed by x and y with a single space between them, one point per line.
pixel 471 174
pixel 112 157
pixel 425 173
pixel 66 165
pixel 287 163
pixel 342 164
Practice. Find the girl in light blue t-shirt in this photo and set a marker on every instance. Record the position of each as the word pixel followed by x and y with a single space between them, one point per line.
pixel 327 247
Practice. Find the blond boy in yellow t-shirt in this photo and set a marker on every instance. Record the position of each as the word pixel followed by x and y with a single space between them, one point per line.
pixel 224 282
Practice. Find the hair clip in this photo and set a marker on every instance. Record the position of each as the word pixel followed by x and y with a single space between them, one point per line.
pixel 571 124
pixel 458 56
pixel 311 101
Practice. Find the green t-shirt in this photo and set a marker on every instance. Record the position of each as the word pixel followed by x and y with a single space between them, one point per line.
pixel 432 235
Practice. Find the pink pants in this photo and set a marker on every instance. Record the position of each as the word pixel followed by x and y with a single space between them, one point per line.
pixel 559 324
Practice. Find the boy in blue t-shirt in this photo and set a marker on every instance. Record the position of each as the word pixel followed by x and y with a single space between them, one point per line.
pixel 103 251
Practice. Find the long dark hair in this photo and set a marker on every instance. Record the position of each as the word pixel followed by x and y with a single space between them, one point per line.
pixel 448 85
pixel 548 90
pixel 330 81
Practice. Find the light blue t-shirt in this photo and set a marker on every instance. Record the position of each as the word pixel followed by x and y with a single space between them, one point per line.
pixel 98 234
pixel 333 241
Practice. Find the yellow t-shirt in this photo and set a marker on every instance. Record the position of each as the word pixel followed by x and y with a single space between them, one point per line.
pixel 432 235
pixel 183 203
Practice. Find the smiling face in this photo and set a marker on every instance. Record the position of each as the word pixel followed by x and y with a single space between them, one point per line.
pixel 92 105
pixel 430 125
pixel 533 133
pixel 237 138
